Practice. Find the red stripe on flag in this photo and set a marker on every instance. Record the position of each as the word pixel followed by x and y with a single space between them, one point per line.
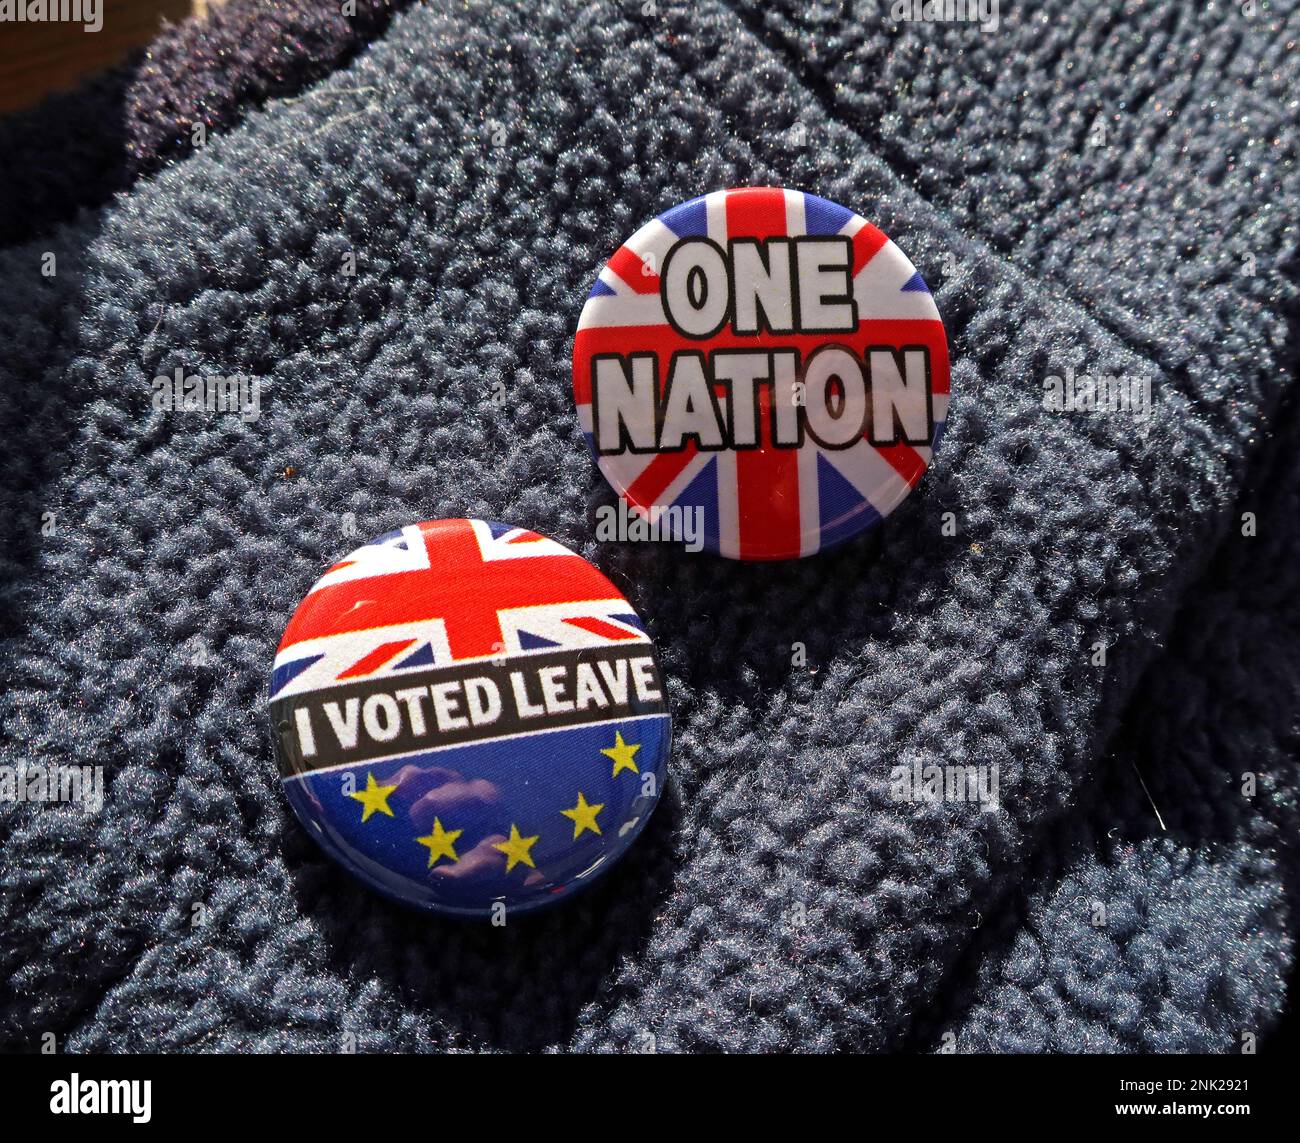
pixel 767 495
pixel 633 270
pixel 755 212
pixel 600 627
pixel 376 659
pixel 905 460
pixel 866 245
pixel 647 488
pixel 459 587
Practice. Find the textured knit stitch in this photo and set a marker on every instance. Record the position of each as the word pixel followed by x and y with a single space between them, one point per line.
pixel 780 898
pixel 1169 933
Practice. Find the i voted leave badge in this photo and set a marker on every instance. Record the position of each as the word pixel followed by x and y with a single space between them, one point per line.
pixel 767 361
pixel 469 717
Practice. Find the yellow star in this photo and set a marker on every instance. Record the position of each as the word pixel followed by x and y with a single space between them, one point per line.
pixel 440 842
pixel 516 849
pixel 583 816
pixel 622 754
pixel 373 797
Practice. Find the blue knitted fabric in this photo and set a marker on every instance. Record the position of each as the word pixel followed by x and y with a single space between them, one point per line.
pixel 482 161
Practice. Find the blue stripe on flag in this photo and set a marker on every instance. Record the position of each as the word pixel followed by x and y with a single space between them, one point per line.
pixel 702 492
pixel 822 217
pixel 420 657
pixel 843 509
pixel 916 284
pixel 528 641
pixel 285 673
pixel 600 290
pixel 690 220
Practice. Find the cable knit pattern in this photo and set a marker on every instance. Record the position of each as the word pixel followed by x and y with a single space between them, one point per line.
pixel 482 161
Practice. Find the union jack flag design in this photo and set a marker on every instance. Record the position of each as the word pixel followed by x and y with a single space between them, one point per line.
pixel 768 500
pixel 445 592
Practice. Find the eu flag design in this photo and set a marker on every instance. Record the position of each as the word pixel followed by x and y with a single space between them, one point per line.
pixel 767 359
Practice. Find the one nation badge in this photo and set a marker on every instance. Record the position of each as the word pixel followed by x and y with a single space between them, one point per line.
pixel 767 362
pixel 469 717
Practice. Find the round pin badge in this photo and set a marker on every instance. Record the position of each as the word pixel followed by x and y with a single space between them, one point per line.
pixel 764 367
pixel 469 717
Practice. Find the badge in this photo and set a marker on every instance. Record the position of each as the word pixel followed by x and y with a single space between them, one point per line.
pixel 469 717
pixel 767 361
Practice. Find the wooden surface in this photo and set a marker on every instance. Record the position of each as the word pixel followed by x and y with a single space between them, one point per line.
pixel 36 59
